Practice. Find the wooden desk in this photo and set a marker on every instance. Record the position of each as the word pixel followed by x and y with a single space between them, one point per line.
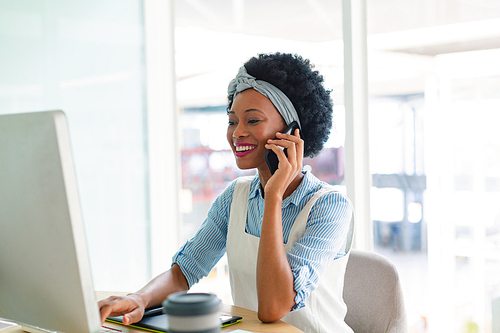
pixel 250 321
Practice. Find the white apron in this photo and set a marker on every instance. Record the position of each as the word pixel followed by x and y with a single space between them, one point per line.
pixel 325 309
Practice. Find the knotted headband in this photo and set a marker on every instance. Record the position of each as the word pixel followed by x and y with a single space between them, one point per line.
pixel 244 81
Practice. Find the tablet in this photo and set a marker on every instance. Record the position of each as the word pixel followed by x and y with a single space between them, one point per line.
pixel 159 323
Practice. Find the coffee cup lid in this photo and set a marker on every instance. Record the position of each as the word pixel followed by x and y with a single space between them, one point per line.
pixel 191 304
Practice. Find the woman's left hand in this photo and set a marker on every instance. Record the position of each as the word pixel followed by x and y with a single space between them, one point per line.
pixel 275 280
pixel 289 166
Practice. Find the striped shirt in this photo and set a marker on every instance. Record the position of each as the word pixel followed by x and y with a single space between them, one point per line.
pixel 324 238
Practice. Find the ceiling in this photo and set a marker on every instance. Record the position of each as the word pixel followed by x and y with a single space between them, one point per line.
pixel 321 20
pixel 215 36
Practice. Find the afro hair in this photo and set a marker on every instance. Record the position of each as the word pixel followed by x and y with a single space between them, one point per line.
pixel 295 77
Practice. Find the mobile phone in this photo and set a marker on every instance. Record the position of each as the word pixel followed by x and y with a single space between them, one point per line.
pixel 271 157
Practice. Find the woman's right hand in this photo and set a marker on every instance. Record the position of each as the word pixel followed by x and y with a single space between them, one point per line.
pixel 132 308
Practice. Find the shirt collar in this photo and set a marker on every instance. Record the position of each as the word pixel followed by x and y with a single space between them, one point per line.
pixel 309 183
pixel 255 187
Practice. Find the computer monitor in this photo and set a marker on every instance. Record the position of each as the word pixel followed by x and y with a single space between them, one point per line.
pixel 45 278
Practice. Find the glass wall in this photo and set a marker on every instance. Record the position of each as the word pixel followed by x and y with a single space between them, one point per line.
pixel 87 59
pixel 464 224
pixel 434 99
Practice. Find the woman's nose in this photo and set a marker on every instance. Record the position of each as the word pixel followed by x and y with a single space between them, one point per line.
pixel 240 131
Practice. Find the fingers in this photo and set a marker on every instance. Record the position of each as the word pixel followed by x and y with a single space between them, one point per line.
pixel 116 306
pixel 295 137
pixel 288 140
pixel 283 160
pixel 133 317
pixel 105 310
pixel 294 145
pixel 300 147
pixel 105 307
pixel 287 161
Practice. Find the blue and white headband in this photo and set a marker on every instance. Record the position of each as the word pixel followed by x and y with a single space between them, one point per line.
pixel 244 81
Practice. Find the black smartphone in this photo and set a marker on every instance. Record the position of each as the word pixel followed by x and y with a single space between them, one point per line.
pixel 271 157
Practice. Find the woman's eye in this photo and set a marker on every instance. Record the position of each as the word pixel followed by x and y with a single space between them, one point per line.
pixel 253 121
pixel 230 123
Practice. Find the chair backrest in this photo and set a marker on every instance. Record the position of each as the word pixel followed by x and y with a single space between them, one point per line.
pixel 372 293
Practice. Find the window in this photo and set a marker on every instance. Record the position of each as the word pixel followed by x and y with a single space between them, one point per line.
pixel 87 59
pixel 434 100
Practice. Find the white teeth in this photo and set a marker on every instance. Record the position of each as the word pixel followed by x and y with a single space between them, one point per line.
pixel 243 148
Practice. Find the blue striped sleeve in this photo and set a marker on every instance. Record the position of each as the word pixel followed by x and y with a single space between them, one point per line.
pixel 323 241
pixel 200 254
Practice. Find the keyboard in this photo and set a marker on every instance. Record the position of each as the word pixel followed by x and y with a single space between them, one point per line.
pixel 105 329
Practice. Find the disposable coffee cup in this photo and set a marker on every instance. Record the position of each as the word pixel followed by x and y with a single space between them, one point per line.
pixel 193 312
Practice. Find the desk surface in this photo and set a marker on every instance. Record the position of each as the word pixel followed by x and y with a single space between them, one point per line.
pixel 250 321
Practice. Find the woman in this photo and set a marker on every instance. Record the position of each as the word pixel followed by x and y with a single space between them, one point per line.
pixel 287 234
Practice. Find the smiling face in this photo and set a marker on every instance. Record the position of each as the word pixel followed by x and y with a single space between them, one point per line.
pixel 253 120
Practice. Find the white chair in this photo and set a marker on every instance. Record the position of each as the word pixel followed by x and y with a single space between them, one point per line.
pixel 372 293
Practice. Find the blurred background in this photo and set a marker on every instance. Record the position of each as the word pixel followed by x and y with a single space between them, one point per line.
pixel 434 110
